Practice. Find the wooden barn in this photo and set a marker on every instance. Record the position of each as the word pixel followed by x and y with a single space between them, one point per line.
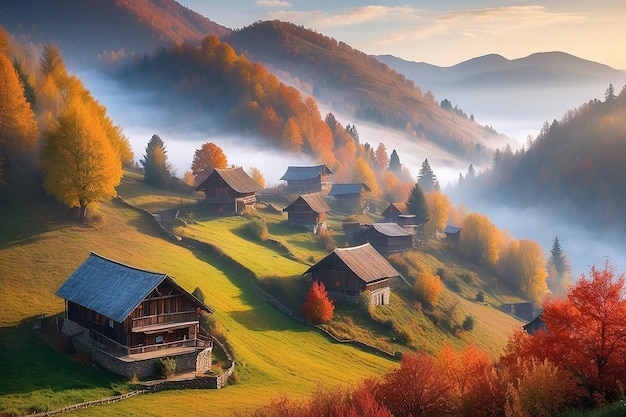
pixel 350 197
pixel 387 238
pixel 307 179
pixel 128 318
pixel 535 325
pixel 453 234
pixel 523 310
pixel 398 213
pixel 348 272
pixel 308 210
pixel 229 190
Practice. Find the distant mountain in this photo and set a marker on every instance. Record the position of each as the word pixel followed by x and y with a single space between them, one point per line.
pixel 85 29
pixel 360 86
pixel 525 91
pixel 495 70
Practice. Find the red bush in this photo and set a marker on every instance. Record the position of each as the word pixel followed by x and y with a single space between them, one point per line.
pixel 317 307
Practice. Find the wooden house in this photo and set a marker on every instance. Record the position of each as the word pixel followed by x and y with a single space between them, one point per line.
pixel 453 234
pixel 535 325
pixel 229 190
pixel 348 272
pixel 398 213
pixel 308 210
pixel 523 310
pixel 128 318
pixel 350 197
pixel 387 238
pixel 307 179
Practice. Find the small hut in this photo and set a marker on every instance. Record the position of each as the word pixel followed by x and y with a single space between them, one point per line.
pixel 387 238
pixel 229 190
pixel 350 197
pixel 348 272
pixel 453 234
pixel 308 210
pixel 398 213
pixel 307 179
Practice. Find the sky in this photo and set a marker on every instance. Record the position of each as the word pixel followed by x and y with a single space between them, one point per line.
pixel 446 32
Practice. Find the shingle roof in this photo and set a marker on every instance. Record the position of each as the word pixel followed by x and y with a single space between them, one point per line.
pixel 236 178
pixel 239 180
pixel 348 189
pixel 314 200
pixel 111 288
pixel 389 229
pixel 304 173
pixel 400 208
pixel 363 260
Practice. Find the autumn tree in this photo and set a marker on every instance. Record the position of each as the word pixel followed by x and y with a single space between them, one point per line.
pixel 291 136
pixel 415 388
pixel 416 204
pixel 426 178
pixel 522 265
pixel 205 160
pixel 439 207
pixel 317 307
pixel 382 159
pixel 257 176
pixel 480 239
pixel 79 165
pixel 427 288
pixel 361 172
pixel 18 129
pixel 157 171
pixel 585 334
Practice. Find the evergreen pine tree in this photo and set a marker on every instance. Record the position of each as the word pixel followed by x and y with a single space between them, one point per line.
pixel 426 178
pixel 416 204
pixel 558 258
pixel 157 170
pixel 394 163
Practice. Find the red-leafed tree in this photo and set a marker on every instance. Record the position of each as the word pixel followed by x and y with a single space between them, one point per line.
pixel 415 389
pixel 206 159
pixel 585 334
pixel 317 307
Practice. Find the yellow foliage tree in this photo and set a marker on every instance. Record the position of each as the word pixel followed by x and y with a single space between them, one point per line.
pixel 291 136
pixel 427 288
pixel 18 129
pixel 480 239
pixel 79 165
pixel 257 176
pixel 362 172
pixel 438 209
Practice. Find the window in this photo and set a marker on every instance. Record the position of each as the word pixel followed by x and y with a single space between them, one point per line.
pixel 111 323
pixel 159 339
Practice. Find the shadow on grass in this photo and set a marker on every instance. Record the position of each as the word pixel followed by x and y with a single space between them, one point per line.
pixel 29 362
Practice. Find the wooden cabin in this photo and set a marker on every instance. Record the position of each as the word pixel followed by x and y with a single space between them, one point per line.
pixel 453 234
pixel 348 272
pixel 535 325
pixel 128 317
pixel 523 310
pixel 307 179
pixel 229 190
pixel 308 210
pixel 398 213
pixel 387 238
pixel 350 197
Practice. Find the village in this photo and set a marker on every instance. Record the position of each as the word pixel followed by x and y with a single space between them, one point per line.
pixel 128 319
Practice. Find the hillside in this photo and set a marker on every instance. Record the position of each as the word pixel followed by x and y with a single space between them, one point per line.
pixel 86 30
pixel 573 167
pixel 360 86
pixel 275 354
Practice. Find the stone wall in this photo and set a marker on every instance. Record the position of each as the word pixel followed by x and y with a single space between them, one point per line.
pixel 203 361
pixel 381 296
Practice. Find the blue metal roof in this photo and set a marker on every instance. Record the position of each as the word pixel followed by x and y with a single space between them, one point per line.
pixel 348 189
pixel 108 287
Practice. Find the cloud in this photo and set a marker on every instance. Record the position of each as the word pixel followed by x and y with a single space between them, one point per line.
pixel 350 17
pixel 517 14
pixel 273 3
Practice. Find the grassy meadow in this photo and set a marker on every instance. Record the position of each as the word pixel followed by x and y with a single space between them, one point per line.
pixel 275 355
